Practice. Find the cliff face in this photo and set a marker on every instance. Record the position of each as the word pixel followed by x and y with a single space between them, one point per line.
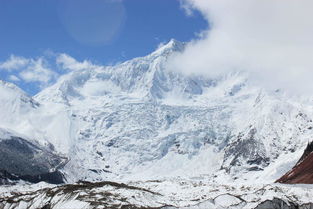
pixel 302 172
pixel 22 158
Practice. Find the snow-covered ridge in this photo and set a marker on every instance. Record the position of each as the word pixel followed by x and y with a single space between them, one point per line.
pixel 145 77
pixel 14 99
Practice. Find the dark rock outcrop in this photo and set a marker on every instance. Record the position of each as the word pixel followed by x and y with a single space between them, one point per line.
pixel 55 177
pixel 21 159
pixel 246 150
pixel 302 172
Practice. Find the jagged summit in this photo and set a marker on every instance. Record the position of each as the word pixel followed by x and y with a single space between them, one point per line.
pixel 170 47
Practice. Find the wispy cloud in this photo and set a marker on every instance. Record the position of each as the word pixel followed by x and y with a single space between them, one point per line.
pixel 67 62
pixel 42 71
pixel 29 70
pixel 270 39
pixel 37 71
pixel 14 63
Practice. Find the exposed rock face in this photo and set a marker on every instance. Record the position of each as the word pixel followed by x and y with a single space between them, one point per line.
pixel 55 177
pixel 247 151
pixel 302 172
pixel 306 153
pixel 21 159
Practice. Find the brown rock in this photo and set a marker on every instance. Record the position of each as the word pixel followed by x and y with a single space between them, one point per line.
pixel 302 172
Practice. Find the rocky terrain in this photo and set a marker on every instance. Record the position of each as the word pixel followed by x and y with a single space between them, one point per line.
pixel 167 194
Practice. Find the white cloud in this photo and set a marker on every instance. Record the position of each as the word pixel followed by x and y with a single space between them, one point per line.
pixel 14 78
pixel 69 63
pixel 29 70
pixel 14 63
pixel 271 39
pixel 38 72
pixel 187 7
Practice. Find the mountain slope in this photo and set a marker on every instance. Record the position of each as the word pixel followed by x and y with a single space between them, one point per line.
pixel 141 115
pixel 22 159
pixel 15 103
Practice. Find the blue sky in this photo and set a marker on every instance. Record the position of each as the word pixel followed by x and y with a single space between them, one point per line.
pixel 102 31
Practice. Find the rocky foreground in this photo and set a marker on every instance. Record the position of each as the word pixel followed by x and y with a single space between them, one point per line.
pixel 156 194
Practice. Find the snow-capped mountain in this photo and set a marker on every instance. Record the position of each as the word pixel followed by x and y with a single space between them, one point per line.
pixel 143 123
pixel 142 120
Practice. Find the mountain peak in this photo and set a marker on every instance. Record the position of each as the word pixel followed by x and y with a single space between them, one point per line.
pixel 173 43
pixel 171 46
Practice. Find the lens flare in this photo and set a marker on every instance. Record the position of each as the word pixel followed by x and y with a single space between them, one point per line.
pixel 92 22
